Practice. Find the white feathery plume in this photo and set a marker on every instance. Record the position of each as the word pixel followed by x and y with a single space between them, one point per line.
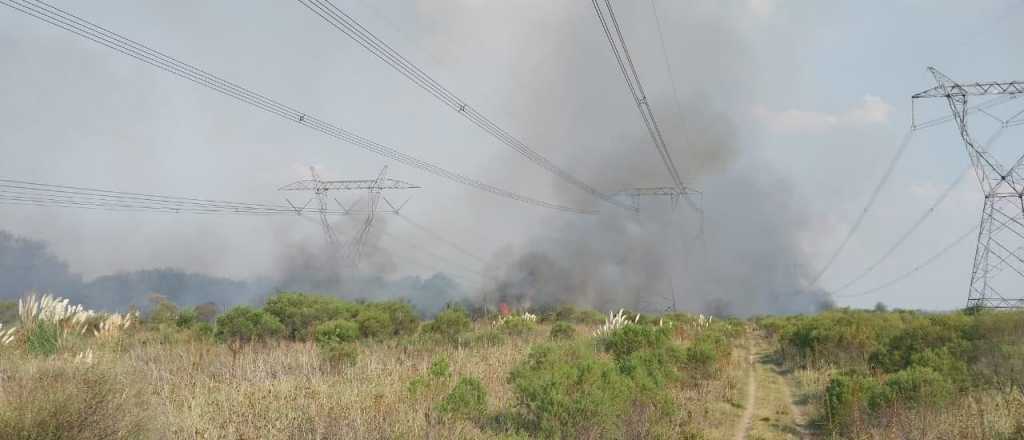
pixel 6 336
pixel 612 323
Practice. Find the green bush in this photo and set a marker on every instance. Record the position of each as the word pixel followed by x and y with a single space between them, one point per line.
pixel 517 326
pixel 400 315
pixel 563 330
pixel 942 361
pixel 187 319
pixel 163 312
pixel 918 334
pixel 300 313
pixel 440 369
pixel 204 330
pixel 468 400
pixel 44 338
pixel 449 324
pixel 244 324
pixel 339 354
pixel 632 338
pixel 374 324
pixel 919 386
pixel 338 331
pixel 851 399
pixel 567 391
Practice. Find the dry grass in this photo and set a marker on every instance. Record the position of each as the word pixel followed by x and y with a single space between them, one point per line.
pixel 148 385
pixel 979 415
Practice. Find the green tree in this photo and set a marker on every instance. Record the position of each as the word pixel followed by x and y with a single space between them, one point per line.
pixel 244 324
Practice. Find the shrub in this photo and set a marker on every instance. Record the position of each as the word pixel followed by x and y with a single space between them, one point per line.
pixel 300 312
pixel 563 330
pixel 517 326
pixel 43 338
pixel 339 354
pixel 163 312
pixel 204 330
pixel 401 317
pixel 919 386
pixel 631 338
pixel 374 324
pixel 440 369
pixel 338 331
pixel 187 319
pixel 206 312
pixel 850 399
pixel 920 334
pixel 68 401
pixel 244 324
pixel 449 324
pixel 943 362
pixel 467 400
pixel 567 391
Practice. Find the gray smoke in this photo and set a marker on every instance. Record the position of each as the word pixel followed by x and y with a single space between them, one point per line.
pixel 750 260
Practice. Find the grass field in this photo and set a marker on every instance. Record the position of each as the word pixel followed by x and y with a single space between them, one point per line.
pixel 373 371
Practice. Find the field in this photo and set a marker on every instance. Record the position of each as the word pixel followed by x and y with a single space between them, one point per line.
pixel 306 366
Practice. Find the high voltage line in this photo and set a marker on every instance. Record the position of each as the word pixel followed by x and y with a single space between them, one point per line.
pixel 337 18
pixel 636 89
pixel 26 193
pixel 928 261
pixel 440 238
pixel 901 148
pixel 21 192
pixel 98 34
pixel 982 108
pixel 917 224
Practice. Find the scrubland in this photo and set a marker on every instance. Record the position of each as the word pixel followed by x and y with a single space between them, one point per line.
pixel 308 366
pixel 879 374
pixel 316 367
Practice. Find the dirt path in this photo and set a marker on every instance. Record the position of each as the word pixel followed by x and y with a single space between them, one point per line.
pixel 748 412
pixel 770 411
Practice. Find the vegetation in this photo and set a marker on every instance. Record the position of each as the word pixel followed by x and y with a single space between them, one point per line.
pixel 449 324
pixel 243 324
pixel 892 372
pixel 312 366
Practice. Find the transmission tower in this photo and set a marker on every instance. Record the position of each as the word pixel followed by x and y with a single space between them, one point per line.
pixel 998 268
pixel 674 194
pixel 374 187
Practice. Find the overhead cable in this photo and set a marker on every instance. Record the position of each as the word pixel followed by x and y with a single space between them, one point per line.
pixel 65 20
pixel 341 21
pixel 902 147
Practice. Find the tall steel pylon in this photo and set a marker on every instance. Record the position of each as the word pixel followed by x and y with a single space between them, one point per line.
pixel 374 187
pixel 674 194
pixel 997 275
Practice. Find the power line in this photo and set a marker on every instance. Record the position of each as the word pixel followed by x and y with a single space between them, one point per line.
pixel 867 207
pixel 441 238
pixel 337 18
pixel 917 224
pixel 668 68
pixel 21 192
pixel 437 257
pixel 914 270
pixel 636 88
pixel 98 34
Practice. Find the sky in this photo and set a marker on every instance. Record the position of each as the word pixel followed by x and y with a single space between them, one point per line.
pixel 814 95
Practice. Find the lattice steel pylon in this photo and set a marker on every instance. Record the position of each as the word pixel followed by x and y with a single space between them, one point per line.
pixel 997 275
pixel 674 194
pixel 375 188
